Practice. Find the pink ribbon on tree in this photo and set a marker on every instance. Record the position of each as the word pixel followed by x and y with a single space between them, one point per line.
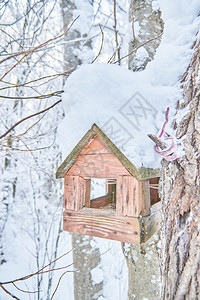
pixel 168 153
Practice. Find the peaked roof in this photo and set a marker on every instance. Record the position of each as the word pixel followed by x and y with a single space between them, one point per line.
pixel 95 131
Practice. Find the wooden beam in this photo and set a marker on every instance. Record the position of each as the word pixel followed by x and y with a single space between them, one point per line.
pixel 101 202
pixel 151 224
pixel 104 224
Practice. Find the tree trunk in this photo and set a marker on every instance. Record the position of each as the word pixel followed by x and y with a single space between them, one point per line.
pixel 89 258
pixel 143 269
pixel 143 260
pixel 181 197
pixel 147 33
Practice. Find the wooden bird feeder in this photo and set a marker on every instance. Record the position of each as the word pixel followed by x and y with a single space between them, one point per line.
pixel 128 211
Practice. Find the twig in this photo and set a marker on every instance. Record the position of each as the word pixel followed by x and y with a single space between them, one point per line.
pixel 58 284
pixel 56 94
pixel 135 49
pixel 26 53
pixel 112 57
pixel 7 292
pixel 23 291
pixel 42 271
pixel 116 33
pixel 28 117
pixel 157 141
pixel 102 40
pixel 28 150
pixel 49 77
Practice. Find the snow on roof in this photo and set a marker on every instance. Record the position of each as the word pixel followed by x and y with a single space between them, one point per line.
pixel 126 105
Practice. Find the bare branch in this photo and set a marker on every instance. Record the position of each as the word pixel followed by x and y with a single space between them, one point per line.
pixel 112 57
pixel 102 40
pixel 23 291
pixel 7 292
pixel 141 45
pixel 28 117
pixel 58 284
pixel 157 141
pixel 27 52
pixel 53 94
pixel 49 77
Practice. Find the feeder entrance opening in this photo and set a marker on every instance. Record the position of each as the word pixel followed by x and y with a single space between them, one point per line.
pixel 102 193
pixel 154 186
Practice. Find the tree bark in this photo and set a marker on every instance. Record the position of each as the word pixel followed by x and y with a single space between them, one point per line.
pixel 88 258
pixel 143 260
pixel 181 197
pixel 150 28
pixel 143 269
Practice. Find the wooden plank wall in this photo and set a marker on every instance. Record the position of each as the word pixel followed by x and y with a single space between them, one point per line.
pixel 92 222
pixel 74 192
pixel 97 161
pixel 133 197
pixel 144 205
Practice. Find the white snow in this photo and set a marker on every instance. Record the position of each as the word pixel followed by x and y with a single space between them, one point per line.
pixel 126 105
pixel 114 270
pixel 133 105
pixel 97 275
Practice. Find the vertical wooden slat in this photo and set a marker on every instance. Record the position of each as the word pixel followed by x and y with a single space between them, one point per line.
pixel 74 192
pixel 136 199
pixel 119 196
pixel 87 192
pixel 133 197
pixel 80 193
pixel 125 193
pixel 132 189
pixel 144 194
pixel 69 192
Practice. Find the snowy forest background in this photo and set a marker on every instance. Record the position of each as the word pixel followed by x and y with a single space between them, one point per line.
pixel 42 43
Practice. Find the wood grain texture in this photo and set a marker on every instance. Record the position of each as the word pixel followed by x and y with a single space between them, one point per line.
pixel 103 165
pixel 144 203
pixel 74 192
pixel 180 251
pixel 133 197
pixel 151 224
pixel 101 202
pixel 96 146
pixel 106 225
pixel 87 192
